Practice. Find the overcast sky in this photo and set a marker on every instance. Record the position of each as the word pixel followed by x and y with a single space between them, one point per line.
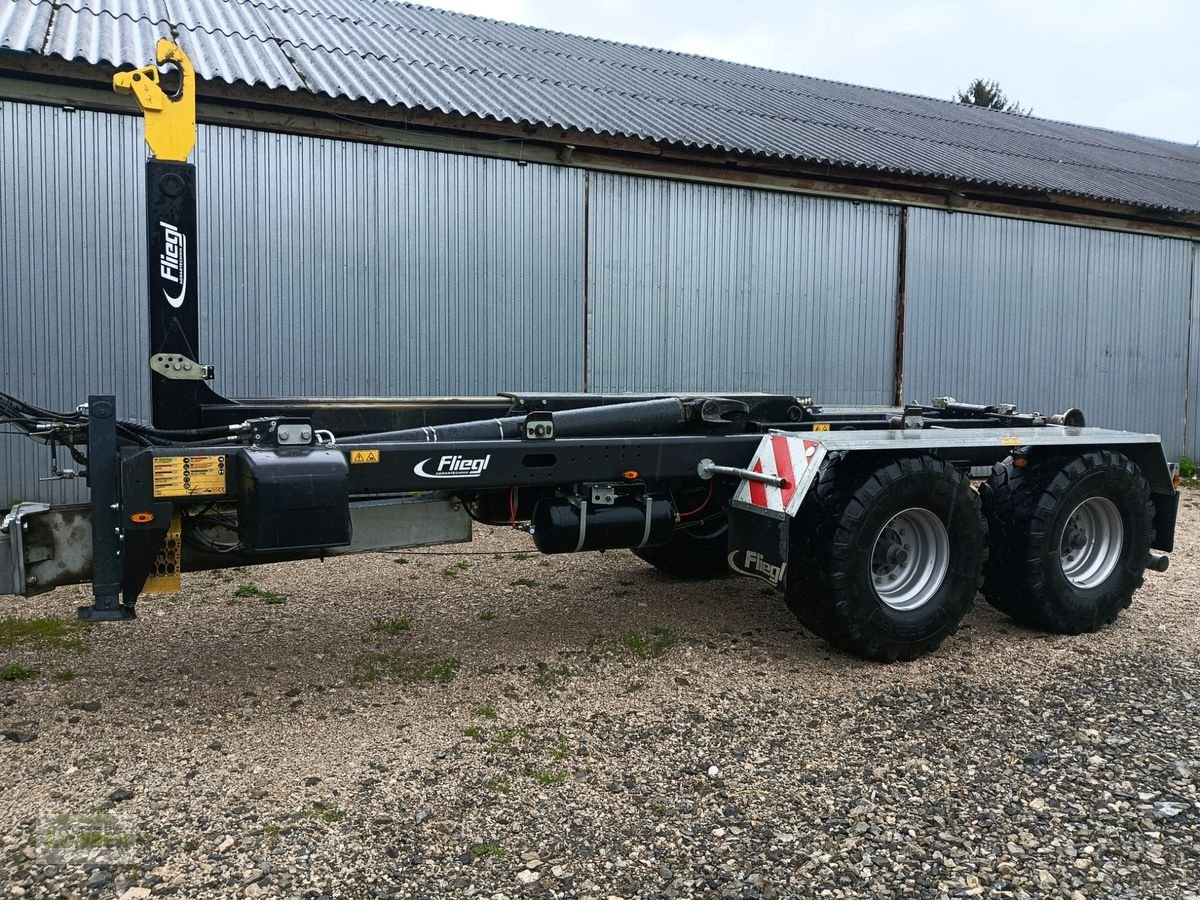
pixel 1129 66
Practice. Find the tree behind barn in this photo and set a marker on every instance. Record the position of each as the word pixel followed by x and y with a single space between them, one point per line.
pixel 981 92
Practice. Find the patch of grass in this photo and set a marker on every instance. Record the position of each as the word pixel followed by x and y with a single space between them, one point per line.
pixel 561 751
pixel 487 615
pixel 63 634
pixel 522 556
pixel 474 732
pixel 271 833
pixel 546 777
pixel 1187 468
pixel 486 712
pixel 268 597
pixel 553 677
pixel 659 642
pixel 452 570
pixel 525 582
pixel 621 592
pixel 556 586
pixel 399 664
pixel 390 626
pixel 637 645
pixel 483 851
pixel 64 675
pixel 509 689
pixel 506 736
pixel 501 785
pixel 327 814
pixel 659 809
pixel 400 561
pixel 17 672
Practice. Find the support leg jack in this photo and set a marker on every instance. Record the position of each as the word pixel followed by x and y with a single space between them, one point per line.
pixel 106 609
pixel 103 475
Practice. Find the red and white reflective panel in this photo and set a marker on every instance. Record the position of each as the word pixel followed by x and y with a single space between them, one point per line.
pixel 794 459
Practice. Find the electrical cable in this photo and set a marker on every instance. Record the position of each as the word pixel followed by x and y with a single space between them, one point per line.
pixel 707 498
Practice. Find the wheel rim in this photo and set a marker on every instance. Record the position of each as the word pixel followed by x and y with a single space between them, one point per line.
pixel 1091 542
pixel 910 559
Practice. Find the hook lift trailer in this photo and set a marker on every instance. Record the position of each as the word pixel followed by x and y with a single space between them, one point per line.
pixel 865 519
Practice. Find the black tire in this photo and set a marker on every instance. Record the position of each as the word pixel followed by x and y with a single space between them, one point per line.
pixel 835 536
pixel 693 553
pixel 1029 511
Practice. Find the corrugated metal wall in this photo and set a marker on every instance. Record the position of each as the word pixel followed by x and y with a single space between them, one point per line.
pixel 334 268
pixel 326 268
pixel 339 268
pixel 72 265
pixel 1193 443
pixel 699 287
pixel 1047 317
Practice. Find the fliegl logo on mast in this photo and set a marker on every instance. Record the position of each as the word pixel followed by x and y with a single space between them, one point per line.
pixel 172 263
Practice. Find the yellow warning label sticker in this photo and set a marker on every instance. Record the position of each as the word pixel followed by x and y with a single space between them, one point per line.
pixel 820 426
pixel 1010 441
pixel 189 476
pixel 364 456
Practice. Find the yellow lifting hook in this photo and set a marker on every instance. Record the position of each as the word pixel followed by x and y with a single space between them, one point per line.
pixel 170 121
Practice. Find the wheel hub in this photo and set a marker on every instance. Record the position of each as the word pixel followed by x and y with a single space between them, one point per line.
pixel 910 559
pixel 1091 542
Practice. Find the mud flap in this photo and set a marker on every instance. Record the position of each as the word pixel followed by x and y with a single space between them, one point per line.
pixel 760 516
pixel 758 546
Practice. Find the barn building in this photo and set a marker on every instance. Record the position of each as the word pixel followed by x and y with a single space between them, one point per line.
pixel 400 200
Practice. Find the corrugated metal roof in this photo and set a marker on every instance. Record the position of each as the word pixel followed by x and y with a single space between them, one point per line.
pixel 417 57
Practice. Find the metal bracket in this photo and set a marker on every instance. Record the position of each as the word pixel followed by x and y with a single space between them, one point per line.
pixel 539 426
pixel 170 121
pixel 717 409
pixel 14 579
pixel 294 434
pixel 179 368
pixel 603 494
pixel 165 578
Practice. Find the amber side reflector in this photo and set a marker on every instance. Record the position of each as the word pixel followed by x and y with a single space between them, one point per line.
pixel 630 475
pixel 142 518
pixel 1020 462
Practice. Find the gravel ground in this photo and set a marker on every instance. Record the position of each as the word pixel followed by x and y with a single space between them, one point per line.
pixel 487 724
